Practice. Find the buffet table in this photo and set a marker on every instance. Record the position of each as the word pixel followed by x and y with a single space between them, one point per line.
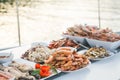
pixel 107 69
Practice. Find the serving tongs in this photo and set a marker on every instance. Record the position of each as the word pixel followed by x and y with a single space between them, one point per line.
pixel 81 45
pixel 116 50
pixel 41 62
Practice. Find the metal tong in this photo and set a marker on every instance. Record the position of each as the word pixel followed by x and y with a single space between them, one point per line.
pixel 81 44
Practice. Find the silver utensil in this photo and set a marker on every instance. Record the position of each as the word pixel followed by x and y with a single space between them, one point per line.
pixel 80 44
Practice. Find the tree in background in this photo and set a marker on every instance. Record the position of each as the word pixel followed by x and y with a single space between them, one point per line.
pixel 5 5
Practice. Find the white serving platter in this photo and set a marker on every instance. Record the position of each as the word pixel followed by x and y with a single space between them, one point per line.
pixel 77 38
pixel 31 64
pixel 97 59
pixel 4 60
pixel 108 45
pixel 77 69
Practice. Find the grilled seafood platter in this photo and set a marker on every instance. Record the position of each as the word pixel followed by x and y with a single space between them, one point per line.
pixel 25 70
pixel 66 59
pixel 37 53
pixel 80 30
pixel 65 42
pixel 93 32
pixel 19 71
pixel 96 53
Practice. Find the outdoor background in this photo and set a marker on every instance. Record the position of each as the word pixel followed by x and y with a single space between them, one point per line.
pixel 45 20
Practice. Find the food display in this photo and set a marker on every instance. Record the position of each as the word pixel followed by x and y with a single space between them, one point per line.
pixel 93 33
pixel 45 60
pixel 37 54
pixel 67 60
pixel 5 57
pixel 105 35
pixel 42 71
pixel 16 72
pixel 80 30
pixel 5 76
pixel 21 67
pixel 1 57
pixel 65 42
pixel 96 52
pixel 23 71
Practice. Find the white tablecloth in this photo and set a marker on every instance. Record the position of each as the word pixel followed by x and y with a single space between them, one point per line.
pixel 107 69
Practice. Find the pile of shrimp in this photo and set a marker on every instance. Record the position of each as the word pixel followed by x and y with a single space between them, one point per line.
pixel 93 33
pixel 63 42
pixel 81 30
pixel 67 59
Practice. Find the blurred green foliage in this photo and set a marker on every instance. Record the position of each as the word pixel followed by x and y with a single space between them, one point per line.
pixel 6 4
pixel 7 1
pixel 11 2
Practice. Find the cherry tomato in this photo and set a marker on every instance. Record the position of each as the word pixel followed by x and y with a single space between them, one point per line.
pixel 45 68
pixel 44 74
pixel 37 66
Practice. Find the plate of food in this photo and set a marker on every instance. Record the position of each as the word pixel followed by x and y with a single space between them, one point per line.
pixel 37 53
pixel 94 36
pixel 67 60
pixel 104 37
pixel 6 76
pixel 106 44
pixel 64 42
pixel 96 53
pixel 80 32
pixel 5 57
pixel 27 70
